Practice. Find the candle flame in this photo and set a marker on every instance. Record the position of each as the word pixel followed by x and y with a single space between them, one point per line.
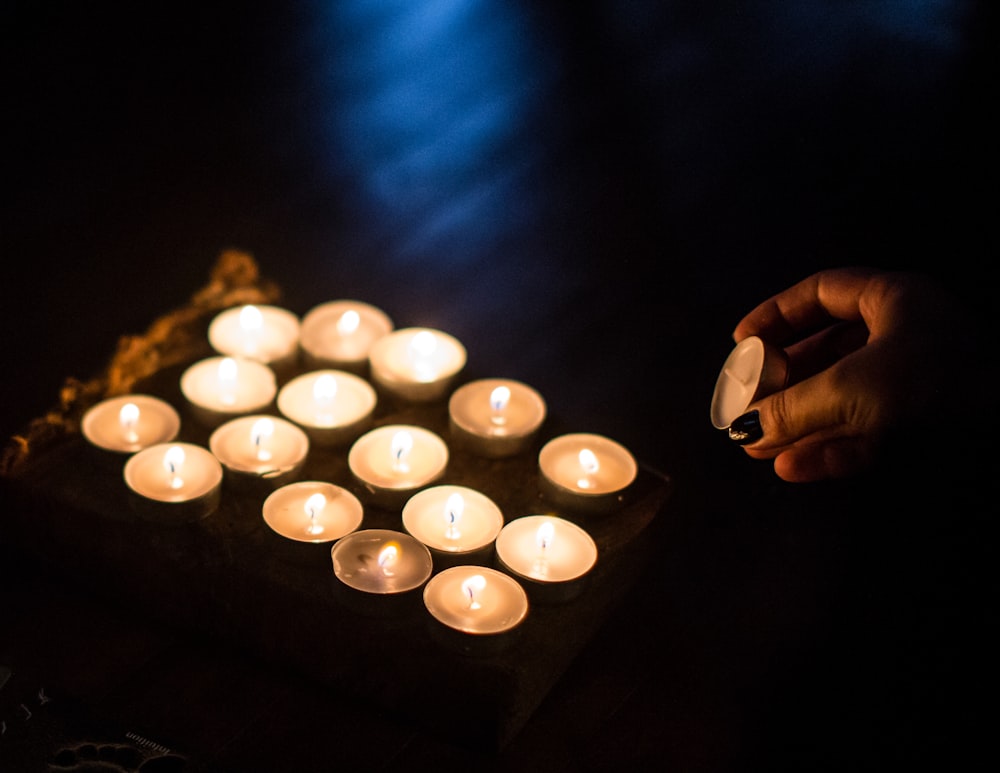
pixel 402 444
pixel 589 465
pixel 251 323
pixel 227 379
pixel 260 434
pixel 499 398
pixel 128 417
pixel 453 509
pixel 325 389
pixel 543 537
pixel 388 556
pixel 348 322
pixel 173 460
pixel 471 586
pixel 421 351
pixel 314 506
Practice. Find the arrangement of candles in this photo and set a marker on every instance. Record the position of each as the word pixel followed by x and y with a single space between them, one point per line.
pixel 348 354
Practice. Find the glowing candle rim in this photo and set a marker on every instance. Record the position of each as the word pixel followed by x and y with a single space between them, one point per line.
pixel 525 528
pixel 526 406
pixel 376 444
pixel 419 511
pixel 347 511
pixel 296 398
pixel 389 354
pixel 107 411
pixel 280 326
pixel 239 428
pixel 257 393
pixel 440 588
pixel 207 481
pixel 617 469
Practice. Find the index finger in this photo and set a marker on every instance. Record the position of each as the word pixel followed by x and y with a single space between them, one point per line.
pixel 833 294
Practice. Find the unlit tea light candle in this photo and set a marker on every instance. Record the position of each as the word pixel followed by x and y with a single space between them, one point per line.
pixel 476 600
pixel 260 446
pixel 129 423
pixel 341 333
pixel 452 519
pixel 312 511
pixel 417 364
pixel 395 460
pixel 267 334
pixel 223 387
pixel 753 369
pixel 175 475
pixel 496 417
pixel 332 405
pixel 546 549
pixel 586 471
pixel 381 561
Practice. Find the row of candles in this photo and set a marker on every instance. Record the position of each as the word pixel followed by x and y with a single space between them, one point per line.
pixel 398 465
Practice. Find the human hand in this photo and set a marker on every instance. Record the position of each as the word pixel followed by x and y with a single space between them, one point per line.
pixel 869 352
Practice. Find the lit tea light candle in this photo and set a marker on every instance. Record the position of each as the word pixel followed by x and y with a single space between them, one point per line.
pixel 129 423
pixel 174 482
pixel 267 334
pixel 381 561
pixel 393 461
pixel 546 550
pixel 586 472
pixel 340 334
pixel 260 447
pixel 222 387
pixel 332 405
pixel 453 519
pixel 416 364
pixel 476 600
pixel 312 511
pixel 753 369
pixel 495 417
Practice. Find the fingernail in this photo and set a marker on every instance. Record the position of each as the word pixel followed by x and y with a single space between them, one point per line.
pixel 746 428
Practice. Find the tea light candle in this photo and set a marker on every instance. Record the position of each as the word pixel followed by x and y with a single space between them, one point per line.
pixel 495 417
pixel 753 369
pixel 267 334
pixel 260 447
pixel 381 561
pixel 340 333
pixel 546 549
pixel 332 405
pixel 222 387
pixel 129 423
pixel 393 461
pixel 476 600
pixel 174 481
pixel 586 472
pixel 453 519
pixel 312 511
pixel 417 364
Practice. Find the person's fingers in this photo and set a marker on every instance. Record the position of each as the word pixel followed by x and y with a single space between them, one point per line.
pixel 815 459
pixel 808 306
pixel 821 350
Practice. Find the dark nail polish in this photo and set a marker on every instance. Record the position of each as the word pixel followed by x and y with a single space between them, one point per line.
pixel 746 428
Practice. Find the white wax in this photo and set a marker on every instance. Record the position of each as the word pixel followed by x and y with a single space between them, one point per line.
pixel 342 332
pixel 546 549
pixel 243 445
pixel 416 363
pixel 752 370
pixel 152 421
pixel 381 561
pixel 327 399
pixel 197 474
pixel 293 512
pixel 374 461
pixel 476 600
pixel 432 517
pixel 257 332
pixel 606 466
pixel 499 416
pixel 215 385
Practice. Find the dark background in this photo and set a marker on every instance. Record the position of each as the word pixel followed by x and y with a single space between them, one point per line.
pixel 588 195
